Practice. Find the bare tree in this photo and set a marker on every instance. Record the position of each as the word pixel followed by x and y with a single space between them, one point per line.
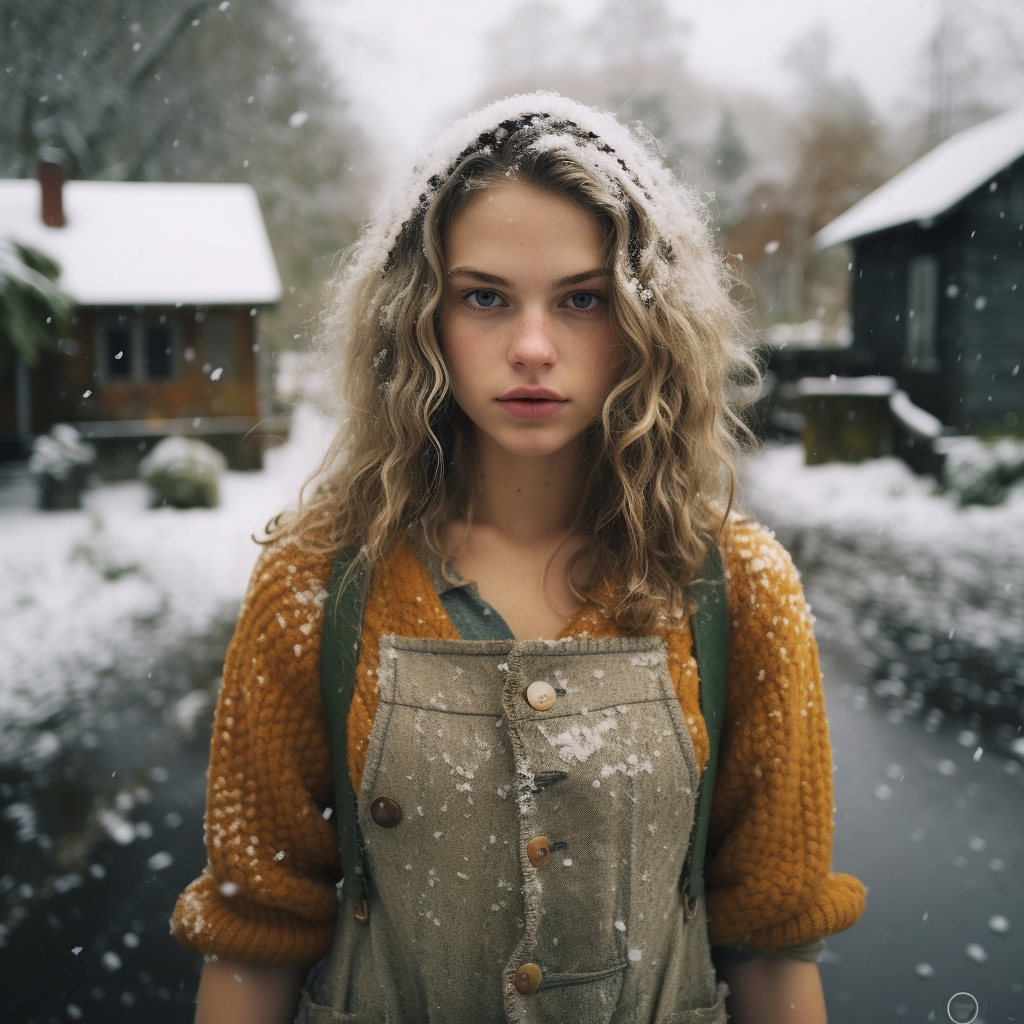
pixel 642 35
pixel 839 154
pixel 958 59
pixel 628 58
pixel 74 73
pixel 531 42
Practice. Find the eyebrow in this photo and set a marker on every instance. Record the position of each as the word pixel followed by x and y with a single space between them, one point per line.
pixel 587 275
pixel 500 282
pixel 479 275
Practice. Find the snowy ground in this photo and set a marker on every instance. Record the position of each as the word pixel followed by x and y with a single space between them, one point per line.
pixel 928 594
pixel 86 592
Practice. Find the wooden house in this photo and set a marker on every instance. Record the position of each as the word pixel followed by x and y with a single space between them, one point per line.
pixel 169 280
pixel 938 277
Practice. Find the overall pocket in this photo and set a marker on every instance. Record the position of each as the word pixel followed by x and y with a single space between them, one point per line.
pixel 714 1014
pixel 311 1012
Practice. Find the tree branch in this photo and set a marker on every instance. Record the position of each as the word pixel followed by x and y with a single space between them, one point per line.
pixel 141 66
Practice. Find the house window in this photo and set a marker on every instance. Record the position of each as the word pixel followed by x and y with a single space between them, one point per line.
pixel 118 352
pixel 136 349
pixel 157 346
pixel 217 344
pixel 922 302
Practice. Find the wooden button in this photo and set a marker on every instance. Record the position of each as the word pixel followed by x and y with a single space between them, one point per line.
pixel 540 695
pixel 539 851
pixel 386 811
pixel 527 979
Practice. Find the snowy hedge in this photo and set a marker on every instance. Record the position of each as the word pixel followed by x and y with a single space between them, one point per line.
pixel 183 472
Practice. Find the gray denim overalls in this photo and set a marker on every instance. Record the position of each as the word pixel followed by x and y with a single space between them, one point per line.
pixel 526 809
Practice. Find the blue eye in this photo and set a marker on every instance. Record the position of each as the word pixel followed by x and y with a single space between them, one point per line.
pixel 584 301
pixel 483 298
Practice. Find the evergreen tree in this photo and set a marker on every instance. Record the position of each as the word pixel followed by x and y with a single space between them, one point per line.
pixel 33 312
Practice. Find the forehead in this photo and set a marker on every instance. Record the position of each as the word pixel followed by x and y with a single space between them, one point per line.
pixel 509 218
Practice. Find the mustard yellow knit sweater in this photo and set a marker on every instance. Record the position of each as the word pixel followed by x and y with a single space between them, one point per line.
pixel 268 892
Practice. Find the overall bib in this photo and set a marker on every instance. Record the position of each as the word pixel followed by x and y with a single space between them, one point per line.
pixel 526 809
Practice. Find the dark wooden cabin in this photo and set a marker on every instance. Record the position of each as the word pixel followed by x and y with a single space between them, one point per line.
pixel 169 281
pixel 938 277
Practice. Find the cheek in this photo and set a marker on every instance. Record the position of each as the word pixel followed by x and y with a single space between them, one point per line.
pixel 613 353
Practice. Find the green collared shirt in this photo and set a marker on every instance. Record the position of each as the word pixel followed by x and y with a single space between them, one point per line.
pixel 471 615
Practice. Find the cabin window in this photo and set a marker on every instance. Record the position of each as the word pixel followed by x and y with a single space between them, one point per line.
pixel 922 303
pixel 218 349
pixel 158 342
pixel 118 361
pixel 136 348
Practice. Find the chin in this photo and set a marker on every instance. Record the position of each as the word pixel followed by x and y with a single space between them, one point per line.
pixel 535 447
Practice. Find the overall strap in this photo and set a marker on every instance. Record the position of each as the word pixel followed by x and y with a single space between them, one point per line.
pixel 709 626
pixel 339 655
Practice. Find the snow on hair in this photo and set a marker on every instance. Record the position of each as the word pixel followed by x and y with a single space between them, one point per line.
pixel 661 478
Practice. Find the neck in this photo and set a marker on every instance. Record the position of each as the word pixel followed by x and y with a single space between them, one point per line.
pixel 526 497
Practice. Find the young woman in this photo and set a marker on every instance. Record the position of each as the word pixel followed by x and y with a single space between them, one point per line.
pixel 536 343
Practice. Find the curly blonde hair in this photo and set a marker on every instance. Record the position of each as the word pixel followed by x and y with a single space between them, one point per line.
pixel 660 478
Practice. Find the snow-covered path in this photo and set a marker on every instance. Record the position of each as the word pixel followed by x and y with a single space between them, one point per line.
pixel 930 823
pixel 904 578
pixel 85 593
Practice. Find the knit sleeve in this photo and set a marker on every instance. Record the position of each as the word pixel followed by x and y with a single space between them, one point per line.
pixel 769 882
pixel 268 892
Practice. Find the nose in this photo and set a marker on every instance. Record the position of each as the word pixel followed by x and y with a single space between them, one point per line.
pixel 532 343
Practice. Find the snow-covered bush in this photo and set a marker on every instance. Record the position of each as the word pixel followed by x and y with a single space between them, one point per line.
pixel 60 461
pixel 183 472
pixel 982 473
pixel 60 452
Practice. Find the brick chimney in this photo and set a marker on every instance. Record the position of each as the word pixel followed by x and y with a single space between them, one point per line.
pixel 51 181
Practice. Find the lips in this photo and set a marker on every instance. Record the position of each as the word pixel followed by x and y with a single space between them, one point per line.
pixel 531 403
pixel 530 394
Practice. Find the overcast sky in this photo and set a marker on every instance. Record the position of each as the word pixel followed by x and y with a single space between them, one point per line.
pixel 411 65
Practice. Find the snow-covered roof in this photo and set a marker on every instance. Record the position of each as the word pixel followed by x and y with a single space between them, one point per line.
pixel 935 183
pixel 149 243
